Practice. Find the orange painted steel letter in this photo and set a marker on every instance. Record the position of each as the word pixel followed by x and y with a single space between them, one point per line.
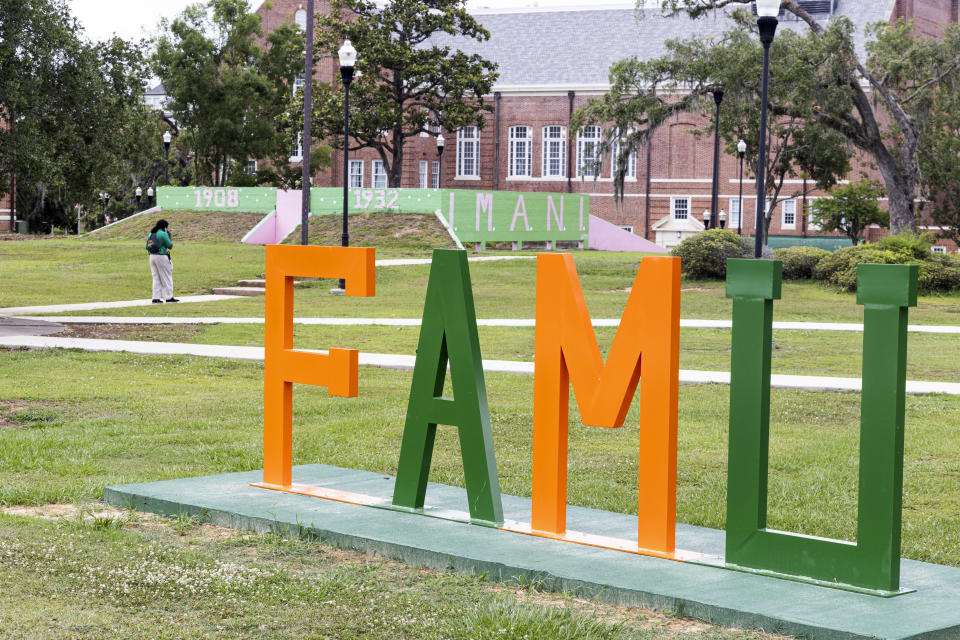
pixel 566 351
pixel 282 365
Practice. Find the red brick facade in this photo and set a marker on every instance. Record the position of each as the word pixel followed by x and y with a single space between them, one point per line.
pixel 681 164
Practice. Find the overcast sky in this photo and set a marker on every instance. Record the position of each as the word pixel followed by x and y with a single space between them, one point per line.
pixel 132 19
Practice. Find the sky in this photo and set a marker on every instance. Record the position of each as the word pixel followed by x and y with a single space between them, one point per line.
pixel 134 19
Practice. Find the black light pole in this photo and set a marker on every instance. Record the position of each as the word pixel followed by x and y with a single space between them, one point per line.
pixel 741 149
pixel 440 143
pixel 307 113
pixel 348 59
pixel 166 164
pixel 139 193
pixel 767 11
pixel 717 98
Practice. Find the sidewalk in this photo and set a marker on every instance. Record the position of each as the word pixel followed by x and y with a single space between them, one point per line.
pixel 481 322
pixel 406 362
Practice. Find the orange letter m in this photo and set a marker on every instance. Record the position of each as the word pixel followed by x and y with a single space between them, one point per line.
pixel 647 340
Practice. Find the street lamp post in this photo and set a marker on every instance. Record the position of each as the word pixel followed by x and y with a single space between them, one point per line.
pixel 440 143
pixel 741 149
pixel 348 60
pixel 305 182
pixel 706 219
pixel 166 163
pixel 139 193
pixel 149 196
pixel 723 218
pixel 717 99
pixel 767 11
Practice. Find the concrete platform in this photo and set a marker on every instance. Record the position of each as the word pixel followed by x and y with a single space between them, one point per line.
pixel 721 596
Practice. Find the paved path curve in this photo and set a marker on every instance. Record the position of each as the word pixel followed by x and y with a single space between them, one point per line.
pixel 393 361
pixel 483 322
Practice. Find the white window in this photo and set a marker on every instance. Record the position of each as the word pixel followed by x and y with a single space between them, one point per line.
pixel 435 174
pixel 680 208
pixel 789 214
pixel 296 152
pixel 379 175
pixel 554 151
pixel 521 152
pixel 300 18
pixel 588 152
pixel 631 162
pixel 356 174
pixel 424 174
pixel 299 82
pixel 251 168
pixel 811 223
pixel 736 206
pixel 938 249
pixel 468 152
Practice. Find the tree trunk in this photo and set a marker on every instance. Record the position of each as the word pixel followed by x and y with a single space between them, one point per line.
pixel 901 186
pixel 396 166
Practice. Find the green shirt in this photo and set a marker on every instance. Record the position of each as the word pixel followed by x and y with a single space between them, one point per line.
pixel 163 239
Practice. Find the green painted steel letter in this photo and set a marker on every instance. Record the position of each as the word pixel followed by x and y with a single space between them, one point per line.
pixel 449 332
pixel 872 564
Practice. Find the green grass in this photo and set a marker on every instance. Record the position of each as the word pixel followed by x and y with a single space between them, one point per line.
pixel 140 579
pixel 115 418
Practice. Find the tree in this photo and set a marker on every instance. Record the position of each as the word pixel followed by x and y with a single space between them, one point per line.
pixel 226 91
pixel 796 143
pixel 409 82
pixel 74 108
pixel 851 208
pixel 939 155
pixel 882 96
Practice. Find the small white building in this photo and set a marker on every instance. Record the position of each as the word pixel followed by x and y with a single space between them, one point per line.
pixel 672 231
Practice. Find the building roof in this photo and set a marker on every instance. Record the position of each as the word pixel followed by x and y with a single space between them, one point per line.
pixel 575 47
pixel 156 91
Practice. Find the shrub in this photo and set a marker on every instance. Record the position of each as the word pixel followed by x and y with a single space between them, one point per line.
pixel 840 267
pixel 705 255
pixel 799 262
pixel 908 242
pixel 939 272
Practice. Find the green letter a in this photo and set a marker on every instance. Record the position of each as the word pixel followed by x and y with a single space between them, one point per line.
pixel 449 332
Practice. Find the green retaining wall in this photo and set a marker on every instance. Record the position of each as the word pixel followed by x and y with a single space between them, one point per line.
pixel 830 243
pixel 246 199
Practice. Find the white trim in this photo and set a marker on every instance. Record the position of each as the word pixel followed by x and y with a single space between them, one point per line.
pixel 682 180
pixel 467 178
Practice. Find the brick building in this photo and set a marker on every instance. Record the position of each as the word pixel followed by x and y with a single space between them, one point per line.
pixel 552 62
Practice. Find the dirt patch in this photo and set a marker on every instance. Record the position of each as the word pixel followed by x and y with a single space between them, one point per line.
pixel 9 408
pixel 696 289
pixel 144 332
pixel 399 232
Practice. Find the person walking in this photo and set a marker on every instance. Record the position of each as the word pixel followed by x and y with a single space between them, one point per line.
pixel 161 264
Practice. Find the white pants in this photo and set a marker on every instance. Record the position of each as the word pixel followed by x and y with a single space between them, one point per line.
pixel 162 269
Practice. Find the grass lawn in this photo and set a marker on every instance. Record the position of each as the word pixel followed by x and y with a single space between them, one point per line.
pixel 73 422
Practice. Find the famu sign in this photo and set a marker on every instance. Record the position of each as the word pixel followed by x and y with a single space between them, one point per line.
pixel 645 354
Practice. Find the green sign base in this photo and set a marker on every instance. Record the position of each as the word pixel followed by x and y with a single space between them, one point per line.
pixel 720 564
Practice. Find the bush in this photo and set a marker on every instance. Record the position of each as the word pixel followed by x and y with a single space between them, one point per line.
pixel 940 272
pixel 705 255
pixel 908 242
pixel 840 267
pixel 799 262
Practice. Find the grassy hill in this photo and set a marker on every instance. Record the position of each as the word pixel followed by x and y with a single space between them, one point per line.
pixel 193 226
pixel 397 233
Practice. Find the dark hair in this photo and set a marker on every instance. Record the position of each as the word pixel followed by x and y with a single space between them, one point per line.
pixel 161 224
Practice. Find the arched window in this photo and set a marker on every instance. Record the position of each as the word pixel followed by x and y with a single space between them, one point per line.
pixel 300 18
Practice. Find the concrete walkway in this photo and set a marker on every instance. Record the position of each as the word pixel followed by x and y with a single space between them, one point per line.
pixel 405 362
pixel 28 327
pixel 482 322
pixel 92 306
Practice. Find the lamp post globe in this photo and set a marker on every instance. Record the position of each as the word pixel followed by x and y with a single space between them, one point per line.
pixel 741 150
pixel 166 149
pixel 706 219
pixel 149 195
pixel 139 194
pixel 440 144
pixel 348 60
pixel 767 12
pixel 723 218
